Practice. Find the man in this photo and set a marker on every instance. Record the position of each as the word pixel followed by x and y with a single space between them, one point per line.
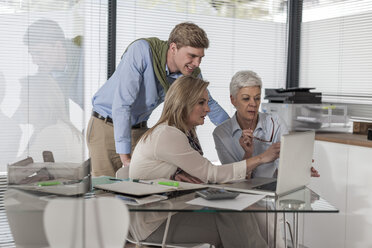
pixel 47 94
pixel 124 103
pixel 58 57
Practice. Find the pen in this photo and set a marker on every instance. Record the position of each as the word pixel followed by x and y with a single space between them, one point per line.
pixel 141 181
pixel 116 179
pixel 174 184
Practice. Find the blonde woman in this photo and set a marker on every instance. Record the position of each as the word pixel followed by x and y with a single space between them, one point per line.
pixel 172 145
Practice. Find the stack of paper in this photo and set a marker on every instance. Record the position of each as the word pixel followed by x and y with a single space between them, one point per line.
pixel 241 202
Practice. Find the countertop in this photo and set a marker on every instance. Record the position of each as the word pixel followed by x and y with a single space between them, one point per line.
pixel 345 138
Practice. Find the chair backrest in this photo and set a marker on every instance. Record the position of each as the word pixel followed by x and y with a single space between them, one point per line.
pixel 80 223
pixel 123 172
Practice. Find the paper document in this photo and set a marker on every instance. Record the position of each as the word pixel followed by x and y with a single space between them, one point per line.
pixel 241 202
pixel 140 201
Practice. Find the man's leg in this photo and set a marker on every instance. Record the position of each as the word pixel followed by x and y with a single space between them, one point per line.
pixel 101 144
pixel 136 135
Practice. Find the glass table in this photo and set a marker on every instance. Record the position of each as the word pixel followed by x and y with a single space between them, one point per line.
pixel 301 201
pixel 298 202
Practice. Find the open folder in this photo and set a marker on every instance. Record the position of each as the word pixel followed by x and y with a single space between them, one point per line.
pixel 148 187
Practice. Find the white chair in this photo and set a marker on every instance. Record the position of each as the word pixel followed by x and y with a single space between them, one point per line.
pixel 86 223
pixel 188 245
pixel 123 173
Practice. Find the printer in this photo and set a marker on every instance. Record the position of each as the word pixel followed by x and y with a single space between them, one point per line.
pixel 302 110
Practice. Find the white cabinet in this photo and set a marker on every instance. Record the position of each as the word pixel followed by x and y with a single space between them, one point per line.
pixel 345 182
pixel 359 198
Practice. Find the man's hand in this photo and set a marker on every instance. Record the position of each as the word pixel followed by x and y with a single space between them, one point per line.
pixel 125 159
pixel 185 177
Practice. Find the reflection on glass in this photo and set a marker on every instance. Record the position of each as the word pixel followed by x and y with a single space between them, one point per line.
pixel 46 95
pixel 10 133
pixel 291 204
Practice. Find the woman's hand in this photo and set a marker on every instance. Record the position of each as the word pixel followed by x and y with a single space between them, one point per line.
pixel 246 142
pixel 271 154
pixel 185 177
pixel 314 172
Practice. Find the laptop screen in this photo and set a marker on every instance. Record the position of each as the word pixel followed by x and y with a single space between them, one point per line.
pixel 295 158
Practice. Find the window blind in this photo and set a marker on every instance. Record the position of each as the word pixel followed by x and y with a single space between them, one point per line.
pixel 243 35
pixel 42 80
pixel 336 53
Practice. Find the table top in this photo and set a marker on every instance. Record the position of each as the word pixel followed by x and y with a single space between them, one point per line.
pixel 301 201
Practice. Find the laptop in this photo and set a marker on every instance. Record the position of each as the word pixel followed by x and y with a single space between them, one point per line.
pixel 295 159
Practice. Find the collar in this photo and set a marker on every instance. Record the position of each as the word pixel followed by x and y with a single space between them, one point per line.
pixel 235 125
pixel 261 124
pixel 172 75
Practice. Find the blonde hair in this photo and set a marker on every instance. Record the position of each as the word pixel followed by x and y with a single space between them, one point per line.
pixel 179 101
pixel 188 34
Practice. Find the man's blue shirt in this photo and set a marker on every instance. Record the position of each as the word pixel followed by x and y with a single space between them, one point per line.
pixel 131 94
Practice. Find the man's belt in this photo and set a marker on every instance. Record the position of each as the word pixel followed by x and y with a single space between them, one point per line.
pixel 108 119
pixel 140 125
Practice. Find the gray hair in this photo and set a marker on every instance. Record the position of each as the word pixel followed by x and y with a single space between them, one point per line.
pixel 243 79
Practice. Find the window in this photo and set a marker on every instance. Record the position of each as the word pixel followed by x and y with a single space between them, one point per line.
pixel 336 54
pixel 243 35
pixel 46 82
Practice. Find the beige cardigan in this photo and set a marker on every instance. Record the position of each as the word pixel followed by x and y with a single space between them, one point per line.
pixel 159 156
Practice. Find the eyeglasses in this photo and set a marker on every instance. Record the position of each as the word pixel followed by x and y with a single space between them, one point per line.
pixel 272 134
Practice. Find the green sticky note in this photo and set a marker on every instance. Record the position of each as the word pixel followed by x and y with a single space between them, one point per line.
pixel 51 183
pixel 173 184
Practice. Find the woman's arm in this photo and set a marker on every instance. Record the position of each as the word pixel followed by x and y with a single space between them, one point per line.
pixel 267 156
pixel 172 148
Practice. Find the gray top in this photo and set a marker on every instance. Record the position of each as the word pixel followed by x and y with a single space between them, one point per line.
pixel 226 138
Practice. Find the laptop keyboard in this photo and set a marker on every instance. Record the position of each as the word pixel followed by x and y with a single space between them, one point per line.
pixel 269 186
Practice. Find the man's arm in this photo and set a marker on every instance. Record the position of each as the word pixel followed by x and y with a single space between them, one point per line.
pixel 217 114
pixel 129 76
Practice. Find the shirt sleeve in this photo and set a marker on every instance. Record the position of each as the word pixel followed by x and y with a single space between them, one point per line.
pixel 129 73
pixel 217 114
pixel 223 152
pixel 173 147
pixel 281 129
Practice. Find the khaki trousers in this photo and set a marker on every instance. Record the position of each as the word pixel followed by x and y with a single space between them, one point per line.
pixel 101 144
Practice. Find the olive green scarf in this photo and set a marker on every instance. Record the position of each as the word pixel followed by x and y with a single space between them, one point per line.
pixel 159 49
